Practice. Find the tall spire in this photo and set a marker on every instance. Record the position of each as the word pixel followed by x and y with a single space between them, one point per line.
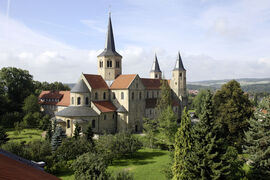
pixel 155 66
pixel 109 49
pixel 179 64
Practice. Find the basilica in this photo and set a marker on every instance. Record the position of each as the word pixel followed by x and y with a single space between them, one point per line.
pixel 111 101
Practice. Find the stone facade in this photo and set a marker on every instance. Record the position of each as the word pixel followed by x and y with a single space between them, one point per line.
pixel 113 102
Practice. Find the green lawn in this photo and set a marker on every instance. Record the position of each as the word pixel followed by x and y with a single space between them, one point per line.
pixel 26 135
pixel 146 164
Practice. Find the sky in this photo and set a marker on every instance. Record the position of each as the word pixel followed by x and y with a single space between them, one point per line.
pixel 59 40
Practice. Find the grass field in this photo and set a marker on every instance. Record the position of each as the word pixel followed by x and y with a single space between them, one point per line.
pixel 146 164
pixel 26 135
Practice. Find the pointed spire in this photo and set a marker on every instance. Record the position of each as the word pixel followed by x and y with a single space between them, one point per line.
pixel 179 64
pixel 155 66
pixel 109 49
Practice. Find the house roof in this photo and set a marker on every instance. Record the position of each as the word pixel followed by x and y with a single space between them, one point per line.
pixel 105 106
pixel 62 96
pixel 12 168
pixel 121 109
pixel 80 87
pixel 155 66
pixel 77 111
pixel 123 81
pixel 151 103
pixel 109 45
pixel 96 81
pixel 179 63
pixel 151 83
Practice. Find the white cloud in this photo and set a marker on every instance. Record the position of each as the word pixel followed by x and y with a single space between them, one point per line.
pixel 93 25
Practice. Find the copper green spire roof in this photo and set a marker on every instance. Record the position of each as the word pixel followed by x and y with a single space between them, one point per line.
pixel 109 44
pixel 179 64
pixel 155 66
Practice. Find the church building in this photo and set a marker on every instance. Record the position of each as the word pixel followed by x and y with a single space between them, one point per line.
pixel 111 101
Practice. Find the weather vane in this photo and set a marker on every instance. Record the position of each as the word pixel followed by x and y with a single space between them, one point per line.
pixel 109 9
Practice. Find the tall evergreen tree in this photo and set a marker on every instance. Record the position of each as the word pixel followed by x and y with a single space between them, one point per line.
pixel 77 131
pixel 232 110
pixel 57 137
pixel 89 134
pixel 183 143
pixel 258 141
pixel 49 132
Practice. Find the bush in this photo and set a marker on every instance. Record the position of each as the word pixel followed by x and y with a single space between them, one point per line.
pixel 90 166
pixel 8 119
pixel 123 175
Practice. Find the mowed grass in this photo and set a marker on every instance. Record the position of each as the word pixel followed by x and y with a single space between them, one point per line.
pixel 26 135
pixel 146 164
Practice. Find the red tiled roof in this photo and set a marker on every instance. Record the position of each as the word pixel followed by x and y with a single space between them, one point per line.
pixel 12 169
pixel 123 81
pixel 150 103
pixel 62 96
pixel 96 81
pixel 105 106
pixel 151 83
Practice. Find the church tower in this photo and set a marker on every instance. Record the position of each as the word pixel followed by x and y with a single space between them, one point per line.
pixel 109 61
pixel 178 81
pixel 155 72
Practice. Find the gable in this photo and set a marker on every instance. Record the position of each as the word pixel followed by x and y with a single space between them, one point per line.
pixel 95 81
pixel 123 81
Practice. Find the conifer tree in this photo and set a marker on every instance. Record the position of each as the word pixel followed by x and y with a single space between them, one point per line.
pixel 57 137
pixel 207 151
pixel 89 134
pixel 49 132
pixel 77 131
pixel 183 143
pixel 258 141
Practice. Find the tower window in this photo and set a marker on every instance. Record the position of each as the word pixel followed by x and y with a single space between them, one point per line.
pixel 117 64
pixel 101 64
pixel 105 116
pixel 156 76
pixel 122 95
pixel 109 63
pixel 68 123
pixel 72 100
pixel 132 95
pixel 147 94
pixel 78 101
pixel 86 101
pixel 96 95
pixel 104 95
pixel 93 123
pixel 180 74
pixel 140 95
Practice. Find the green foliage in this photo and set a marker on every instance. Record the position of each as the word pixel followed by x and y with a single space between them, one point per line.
pixel 45 122
pixel 16 148
pixel 90 166
pixel 9 118
pixel 31 104
pixel 77 131
pixel 89 134
pixel 19 126
pixel 45 86
pixel 57 138
pixel 19 84
pixel 31 120
pixel 232 110
pixel 3 136
pixel 199 101
pixel 257 141
pixel 151 129
pixel 166 99
pixel 49 132
pixel 71 148
pixel 168 125
pixel 183 143
pixel 38 150
pixel 123 175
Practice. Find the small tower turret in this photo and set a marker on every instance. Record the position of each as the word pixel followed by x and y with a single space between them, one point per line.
pixel 109 61
pixel 155 72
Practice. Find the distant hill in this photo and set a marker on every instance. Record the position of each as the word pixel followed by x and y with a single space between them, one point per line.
pixel 255 85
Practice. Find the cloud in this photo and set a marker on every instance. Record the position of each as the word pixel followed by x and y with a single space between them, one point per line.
pixel 93 25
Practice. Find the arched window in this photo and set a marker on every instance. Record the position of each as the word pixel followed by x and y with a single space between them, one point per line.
pixel 93 123
pixel 72 100
pixel 117 64
pixel 140 95
pixel 109 63
pixel 122 95
pixel 86 101
pixel 96 95
pixel 78 100
pixel 113 95
pixel 68 123
pixel 104 95
pixel 101 64
pixel 105 117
